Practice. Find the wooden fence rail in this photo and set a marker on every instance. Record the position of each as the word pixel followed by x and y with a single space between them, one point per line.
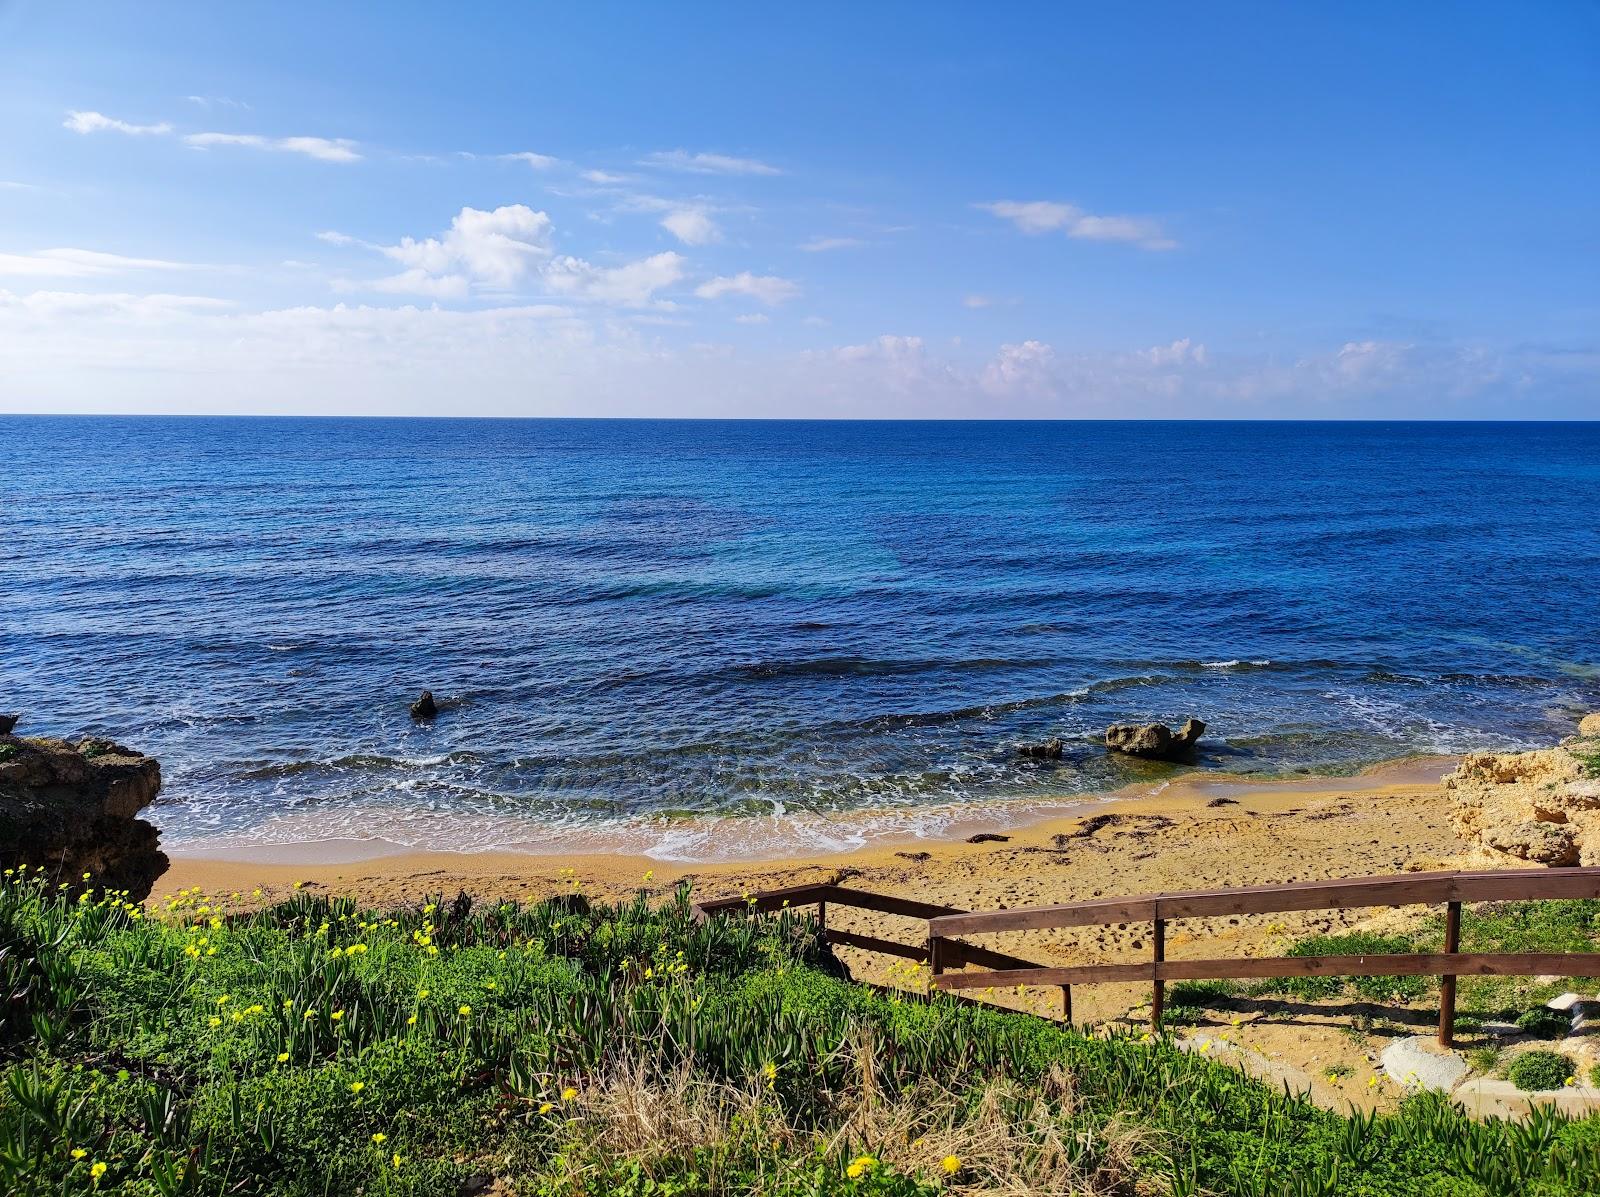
pixel 1452 889
pixel 943 951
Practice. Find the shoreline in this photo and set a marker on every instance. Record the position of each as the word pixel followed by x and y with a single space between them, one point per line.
pixel 376 867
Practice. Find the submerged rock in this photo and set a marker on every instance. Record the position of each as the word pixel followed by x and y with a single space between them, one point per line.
pixel 424 708
pixel 1045 750
pixel 1155 741
pixel 72 810
pixel 8 723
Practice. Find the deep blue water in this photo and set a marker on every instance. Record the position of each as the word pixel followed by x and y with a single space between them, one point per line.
pixel 636 620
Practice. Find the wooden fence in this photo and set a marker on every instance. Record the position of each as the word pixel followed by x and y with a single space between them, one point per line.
pixel 944 951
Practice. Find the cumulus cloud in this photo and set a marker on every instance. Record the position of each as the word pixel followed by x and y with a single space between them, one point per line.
pixel 1044 216
pixel 79 263
pixel 324 149
pixel 510 249
pixel 97 122
pixel 764 288
pixel 692 226
pixel 819 245
pixel 709 164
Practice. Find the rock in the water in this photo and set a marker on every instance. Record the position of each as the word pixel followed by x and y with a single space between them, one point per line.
pixel 1045 750
pixel 1589 726
pixel 1536 806
pixel 1155 741
pixel 424 707
pixel 71 809
pixel 8 724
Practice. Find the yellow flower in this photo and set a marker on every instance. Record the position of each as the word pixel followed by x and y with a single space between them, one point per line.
pixel 546 1107
pixel 214 1021
pixel 223 1000
pixel 357 1086
pixel 336 1015
pixel 568 1093
pixel 412 1021
pixel 430 908
pixel 422 995
pixel 465 1011
pixel 77 1152
pixel 951 1165
pixel 396 1161
pixel 379 1137
pixel 97 1170
pixel 283 1057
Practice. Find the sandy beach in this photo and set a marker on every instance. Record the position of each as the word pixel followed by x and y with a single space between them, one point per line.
pixel 1200 831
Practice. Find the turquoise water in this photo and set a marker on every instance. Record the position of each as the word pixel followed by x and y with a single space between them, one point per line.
pixel 637 626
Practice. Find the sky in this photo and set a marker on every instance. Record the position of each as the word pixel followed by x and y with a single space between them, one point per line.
pixel 823 210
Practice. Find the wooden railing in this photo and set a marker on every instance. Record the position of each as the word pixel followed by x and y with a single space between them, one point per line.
pixel 947 952
pixel 943 951
pixel 1451 889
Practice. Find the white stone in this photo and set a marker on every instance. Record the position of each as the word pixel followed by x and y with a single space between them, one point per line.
pixel 1565 1002
pixel 1417 1062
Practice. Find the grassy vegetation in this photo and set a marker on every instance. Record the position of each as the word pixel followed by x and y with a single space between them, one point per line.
pixel 312 1049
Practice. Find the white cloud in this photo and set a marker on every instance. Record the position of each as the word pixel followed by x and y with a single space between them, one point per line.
pixel 324 149
pixel 978 301
pixel 764 288
pixel 51 304
pixel 510 249
pixel 536 161
pixel 819 245
pixel 1179 353
pixel 497 249
pixel 692 226
pixel 631 285
pixel 334 237
pixel 1044 216
pixel 709 164
pixel 96 122
pixel 753 318
pixel 604 178
pixel 79 263
pixel 13 185
pixel 219 101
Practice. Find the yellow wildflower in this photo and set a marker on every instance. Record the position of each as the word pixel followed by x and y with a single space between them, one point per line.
pixel 357 1086
pixel 379 1137
pixel 568 1093
pixel 951 1165
pixel 77 1152
pixel 97 1170
pixel 546 1107
pixel 465 1011
pixel 283 1057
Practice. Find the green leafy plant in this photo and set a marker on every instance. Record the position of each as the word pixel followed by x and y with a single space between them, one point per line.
pixel 1539 1070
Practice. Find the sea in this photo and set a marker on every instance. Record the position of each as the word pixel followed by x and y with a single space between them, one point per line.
pixel 704 639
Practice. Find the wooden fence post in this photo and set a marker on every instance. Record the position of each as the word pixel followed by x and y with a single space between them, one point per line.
pixel 1447 982
pixel 1066 1004
pixel 1158 990
pixel 822 917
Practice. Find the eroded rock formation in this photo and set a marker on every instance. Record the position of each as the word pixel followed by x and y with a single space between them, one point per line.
pixel 72 809
pixel 1155 741
pixel 1542 806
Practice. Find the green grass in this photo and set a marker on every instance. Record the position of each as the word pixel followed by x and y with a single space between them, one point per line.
pixel 313 1049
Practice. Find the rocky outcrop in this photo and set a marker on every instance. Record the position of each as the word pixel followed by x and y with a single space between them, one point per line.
pixel 1155 741
pixel 1044 750
pixel 72 809
pixel 424 708
pixel 1542 807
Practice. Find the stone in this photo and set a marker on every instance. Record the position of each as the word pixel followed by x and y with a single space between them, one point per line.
pixel 1485 1097
pixel 424 708
pixel 8 724
pixel 1589 726
pixel 1046 750
pixel 1155 741
pixel 1540 806
pixel 73 810
pixel 1417 1062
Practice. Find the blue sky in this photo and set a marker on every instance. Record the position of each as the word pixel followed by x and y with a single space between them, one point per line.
pixel 824 210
